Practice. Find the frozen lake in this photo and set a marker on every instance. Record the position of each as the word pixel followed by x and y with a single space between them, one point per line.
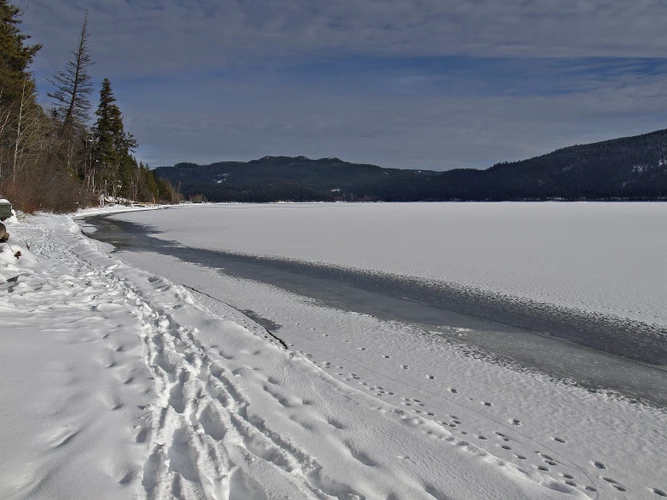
pixel 392 306
pixel 607 258
pixel 426 264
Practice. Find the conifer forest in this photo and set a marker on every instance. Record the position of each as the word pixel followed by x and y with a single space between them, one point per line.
pixel 66 153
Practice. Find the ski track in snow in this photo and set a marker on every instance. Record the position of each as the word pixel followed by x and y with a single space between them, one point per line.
pixel 227 413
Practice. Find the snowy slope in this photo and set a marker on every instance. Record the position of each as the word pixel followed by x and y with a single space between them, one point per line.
pixel 120 384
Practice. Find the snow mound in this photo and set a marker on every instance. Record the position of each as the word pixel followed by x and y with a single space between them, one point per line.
pixel 15 260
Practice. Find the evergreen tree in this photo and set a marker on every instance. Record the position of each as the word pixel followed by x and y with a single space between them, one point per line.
pixel 74 85
pixel 148 186
pixel 111 146
pixel 71 109
pixel 15 56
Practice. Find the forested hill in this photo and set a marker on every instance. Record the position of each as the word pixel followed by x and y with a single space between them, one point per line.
pixel 274 178
pixel 627 168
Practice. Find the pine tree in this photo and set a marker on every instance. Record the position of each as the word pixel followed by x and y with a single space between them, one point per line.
pixel 73 85
pixel 111 145
pixel 15 56
pixel 71 108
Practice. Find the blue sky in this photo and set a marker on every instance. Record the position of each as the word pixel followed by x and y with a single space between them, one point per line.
pixel 401 83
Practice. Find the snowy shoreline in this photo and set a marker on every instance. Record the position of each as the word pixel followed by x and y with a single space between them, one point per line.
pixel 630 370
pixel 127 385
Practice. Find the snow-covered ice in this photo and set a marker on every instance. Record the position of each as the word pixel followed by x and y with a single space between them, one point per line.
pixel 132 374
pixel 608 258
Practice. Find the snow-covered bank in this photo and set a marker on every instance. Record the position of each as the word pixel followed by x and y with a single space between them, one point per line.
pixel 118 209
pixel 120 383
pixel 72 367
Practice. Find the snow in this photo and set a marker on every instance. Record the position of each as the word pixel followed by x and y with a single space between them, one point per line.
pixel 121 382
pixel 73 372
pixel 112 208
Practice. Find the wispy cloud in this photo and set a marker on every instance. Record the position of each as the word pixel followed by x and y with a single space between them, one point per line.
pixel 255 116
pixel 405 83
pixel 151 36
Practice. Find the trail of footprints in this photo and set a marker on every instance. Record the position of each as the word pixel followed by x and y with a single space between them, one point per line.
pixel 543 462
pixel 201 407
pixel 203 417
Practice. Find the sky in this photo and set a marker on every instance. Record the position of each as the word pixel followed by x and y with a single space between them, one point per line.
pixel 430 84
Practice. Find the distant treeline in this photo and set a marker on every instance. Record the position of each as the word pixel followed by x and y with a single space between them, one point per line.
pixel 50 159
pixel 631 168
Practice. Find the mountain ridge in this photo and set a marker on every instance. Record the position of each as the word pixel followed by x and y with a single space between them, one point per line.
pixel 633 168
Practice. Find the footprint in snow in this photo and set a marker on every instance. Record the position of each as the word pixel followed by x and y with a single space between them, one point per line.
pixel 335 423
pixel 615 484
pixel 142 435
